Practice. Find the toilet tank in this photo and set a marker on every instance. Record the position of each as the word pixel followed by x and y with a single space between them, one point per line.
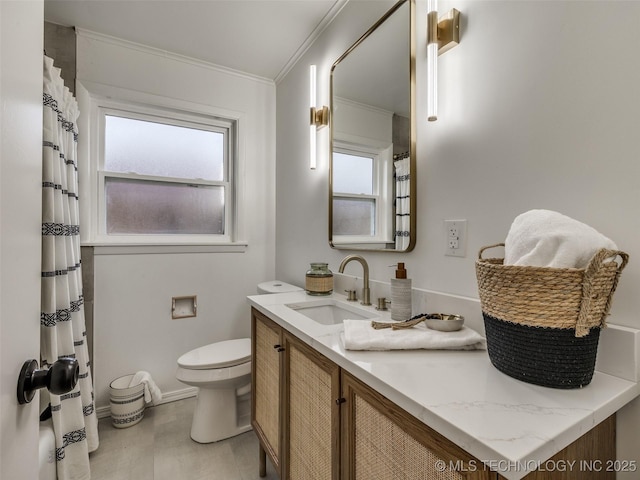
pixel 276 286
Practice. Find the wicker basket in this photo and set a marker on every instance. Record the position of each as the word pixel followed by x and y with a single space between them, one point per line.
pixel 543 324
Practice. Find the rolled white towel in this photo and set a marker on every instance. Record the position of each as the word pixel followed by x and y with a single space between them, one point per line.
pixel 151 391
pixel 544 238
pixel 360 335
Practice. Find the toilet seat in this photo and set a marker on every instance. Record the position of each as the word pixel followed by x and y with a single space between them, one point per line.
pixel 223 354
pixel 214 377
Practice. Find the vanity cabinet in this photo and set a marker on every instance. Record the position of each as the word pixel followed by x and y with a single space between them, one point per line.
pixel 295 408
pixel 316 421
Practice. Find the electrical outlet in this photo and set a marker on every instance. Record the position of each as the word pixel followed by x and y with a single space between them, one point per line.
pixel 455 238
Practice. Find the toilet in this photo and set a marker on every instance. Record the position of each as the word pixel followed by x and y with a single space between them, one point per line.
pixel 222 373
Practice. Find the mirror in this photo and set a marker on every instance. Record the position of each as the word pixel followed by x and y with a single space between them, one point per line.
pixel 372 200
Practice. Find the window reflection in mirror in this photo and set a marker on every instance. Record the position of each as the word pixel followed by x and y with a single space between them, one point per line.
pixel 373 159
pixel 362 194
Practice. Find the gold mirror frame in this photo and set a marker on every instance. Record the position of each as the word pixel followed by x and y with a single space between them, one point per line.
pixel 412 139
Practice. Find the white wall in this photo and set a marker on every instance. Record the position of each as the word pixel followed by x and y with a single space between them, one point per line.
pixel 538 109
pixel 21 41
pixel 133 329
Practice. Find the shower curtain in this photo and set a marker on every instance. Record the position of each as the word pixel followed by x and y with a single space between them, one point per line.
pixel 62 326
pixel 403 224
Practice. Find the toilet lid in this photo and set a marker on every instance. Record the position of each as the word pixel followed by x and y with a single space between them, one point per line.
pixel 218 355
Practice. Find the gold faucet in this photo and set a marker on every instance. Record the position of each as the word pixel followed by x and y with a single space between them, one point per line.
pixel 366 293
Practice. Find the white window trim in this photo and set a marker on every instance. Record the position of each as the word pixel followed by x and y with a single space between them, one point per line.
pixel 383 191
pixel 144 113
pixel 94 99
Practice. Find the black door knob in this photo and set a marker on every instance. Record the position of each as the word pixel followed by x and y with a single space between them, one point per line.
pixel 60 378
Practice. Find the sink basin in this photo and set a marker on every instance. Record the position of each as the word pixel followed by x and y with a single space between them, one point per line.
pixel 328 311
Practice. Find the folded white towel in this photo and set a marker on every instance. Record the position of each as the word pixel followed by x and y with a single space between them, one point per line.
pixel 151 391
pixel 360 335
pixel 544 238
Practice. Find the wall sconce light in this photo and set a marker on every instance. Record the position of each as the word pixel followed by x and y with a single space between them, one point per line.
pixel 442 35
pixel 319 117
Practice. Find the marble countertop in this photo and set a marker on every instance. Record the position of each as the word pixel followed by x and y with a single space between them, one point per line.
pixel 510 425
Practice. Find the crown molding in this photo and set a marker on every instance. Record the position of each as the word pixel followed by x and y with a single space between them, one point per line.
pixel 322 26
pixel 82 33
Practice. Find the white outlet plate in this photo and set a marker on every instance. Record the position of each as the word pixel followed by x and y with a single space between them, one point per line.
pixel 455 238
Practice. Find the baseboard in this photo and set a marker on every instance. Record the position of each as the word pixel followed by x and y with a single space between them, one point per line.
pixel 167 397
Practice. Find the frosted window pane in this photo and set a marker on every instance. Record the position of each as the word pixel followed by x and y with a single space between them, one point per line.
pixel 352 174
pixel 149 148
pixel 354 216
pixel 144 207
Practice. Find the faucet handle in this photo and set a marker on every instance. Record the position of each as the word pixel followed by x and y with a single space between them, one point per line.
pixel 382 303
pixel 351 295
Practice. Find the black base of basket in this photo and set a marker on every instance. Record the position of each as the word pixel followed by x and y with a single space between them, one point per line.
pixel 550 357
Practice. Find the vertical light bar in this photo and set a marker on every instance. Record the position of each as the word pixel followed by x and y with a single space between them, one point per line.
pixel 432 60
pixel 312 120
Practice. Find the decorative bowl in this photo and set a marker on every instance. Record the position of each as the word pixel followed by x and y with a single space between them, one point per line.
pixel 444 322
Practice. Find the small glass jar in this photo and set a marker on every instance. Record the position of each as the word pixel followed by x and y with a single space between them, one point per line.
pixel 319 279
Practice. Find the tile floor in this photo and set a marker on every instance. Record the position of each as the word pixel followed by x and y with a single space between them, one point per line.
pixel 159 448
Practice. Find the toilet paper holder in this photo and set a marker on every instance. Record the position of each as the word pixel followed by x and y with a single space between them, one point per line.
pixel 184 307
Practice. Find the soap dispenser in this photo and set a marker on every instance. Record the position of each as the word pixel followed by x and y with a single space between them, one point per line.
pixel 401 295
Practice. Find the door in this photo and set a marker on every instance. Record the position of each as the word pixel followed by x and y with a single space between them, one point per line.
pixel 266 354
pixel 21 46
pixel 312 414
pixel 380 440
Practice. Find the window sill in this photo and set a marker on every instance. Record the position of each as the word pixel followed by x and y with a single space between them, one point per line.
pixel 150 249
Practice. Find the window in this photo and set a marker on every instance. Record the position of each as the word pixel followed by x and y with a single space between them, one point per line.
pixel 362 208
pixel 164 177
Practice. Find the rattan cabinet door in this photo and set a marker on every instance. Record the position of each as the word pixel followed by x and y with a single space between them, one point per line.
pixel 267 348
pixel 383 442
pixel 312 416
